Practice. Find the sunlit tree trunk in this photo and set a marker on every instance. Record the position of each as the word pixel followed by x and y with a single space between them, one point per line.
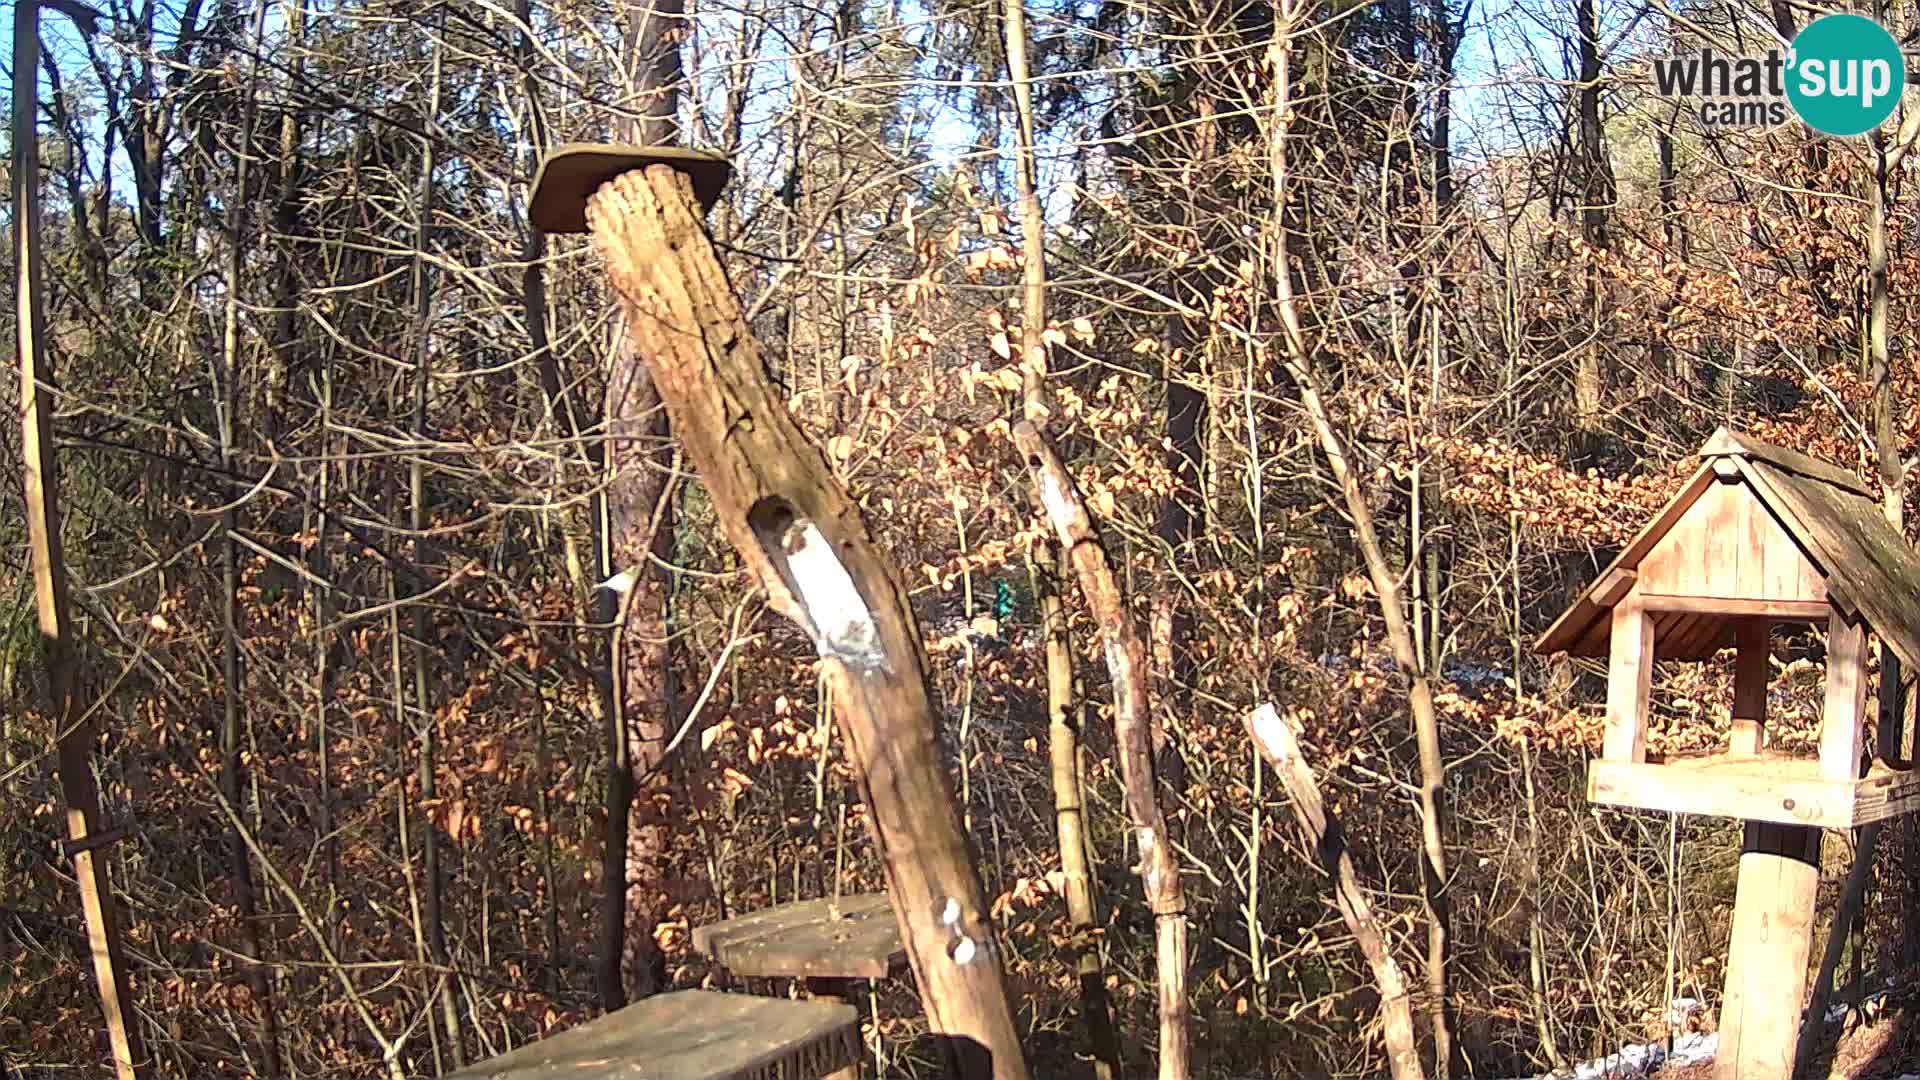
pixel 76 731
pixel 638 532
pixel 1062 731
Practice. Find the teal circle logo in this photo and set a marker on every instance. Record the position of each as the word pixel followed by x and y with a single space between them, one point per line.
pixel 1845 74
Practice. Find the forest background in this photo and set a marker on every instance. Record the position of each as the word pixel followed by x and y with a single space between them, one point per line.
pixel 334 447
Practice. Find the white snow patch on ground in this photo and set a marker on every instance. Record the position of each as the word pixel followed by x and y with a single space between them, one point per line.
pixel 1639 1059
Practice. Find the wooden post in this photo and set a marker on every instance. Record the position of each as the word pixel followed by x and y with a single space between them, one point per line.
pixel 1846 699
pixel 1774 900
pixel 76 731
pixel 1767 962
pixel 1159 867
pixel 1629 682
pixel 1752 640
pixel 841 992
pixel 806 542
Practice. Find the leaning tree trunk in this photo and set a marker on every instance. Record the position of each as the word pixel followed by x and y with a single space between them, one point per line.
pixel 76 730
pixel 805 540
pixel 1297 356
pixel 1159 868
pixel 1320 829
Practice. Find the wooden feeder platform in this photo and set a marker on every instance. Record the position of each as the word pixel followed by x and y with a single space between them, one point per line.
pixel 1763 787
pixel 691 1035
pixel 809 939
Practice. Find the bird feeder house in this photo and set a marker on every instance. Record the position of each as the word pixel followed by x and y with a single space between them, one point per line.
pixel 1758 537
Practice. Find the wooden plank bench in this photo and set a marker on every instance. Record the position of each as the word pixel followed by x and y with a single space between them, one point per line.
pixel 828 943
pixel 692 1035
pixel 809 939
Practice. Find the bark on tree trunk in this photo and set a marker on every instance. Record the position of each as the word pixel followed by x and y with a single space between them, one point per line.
pixel 1159 868
pixel 424 639
pixel 233 718
pixel 636 529
pixel 1183 518
pixel 1596 197
pixel 42 494
pixel 1070 825
pixel 805 540
pixel 1324 837
pixel 639 531
pixel 1063 737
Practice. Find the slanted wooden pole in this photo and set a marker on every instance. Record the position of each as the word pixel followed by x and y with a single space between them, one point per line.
pixel 1779 877
pixel 76 733
pixel 1159 868
pixel 805 540
pixel 1274 738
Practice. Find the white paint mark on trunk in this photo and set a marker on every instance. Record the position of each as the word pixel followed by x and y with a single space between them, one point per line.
pixel 1273 733
pixel 843 625
pixel 1058 509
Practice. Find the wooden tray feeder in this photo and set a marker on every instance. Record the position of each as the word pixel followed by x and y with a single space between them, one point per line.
pixel 828 943
pixel 691 1035
pixel 1759 536
pixel 856 937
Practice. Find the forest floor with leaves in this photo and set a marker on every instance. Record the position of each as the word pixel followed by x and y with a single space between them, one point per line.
pixel 1876 1040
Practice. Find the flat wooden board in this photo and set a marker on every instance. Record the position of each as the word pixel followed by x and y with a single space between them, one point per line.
pixel 1766 787
pixel 1729 545
pixel 691 1035
pixel 1725 443
pixel 570 174
pixel 805 940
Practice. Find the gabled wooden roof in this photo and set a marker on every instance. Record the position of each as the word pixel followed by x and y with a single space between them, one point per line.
pixel 1831 514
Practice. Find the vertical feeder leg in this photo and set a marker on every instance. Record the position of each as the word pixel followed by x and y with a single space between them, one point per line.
pixel 1629 681
pixel 837 990
pixel 1752 639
